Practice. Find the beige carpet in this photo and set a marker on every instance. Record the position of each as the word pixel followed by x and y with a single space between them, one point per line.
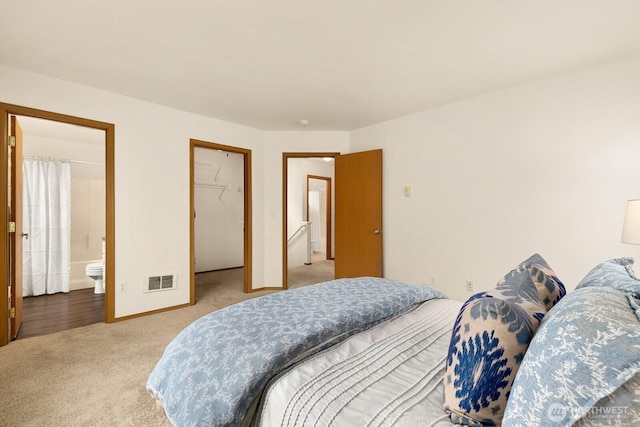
pixel 318 271
pixel 96 375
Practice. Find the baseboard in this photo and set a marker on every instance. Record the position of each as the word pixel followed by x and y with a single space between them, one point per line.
pixel 147 313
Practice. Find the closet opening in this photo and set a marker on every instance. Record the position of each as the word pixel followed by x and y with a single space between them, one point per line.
pixel 220 216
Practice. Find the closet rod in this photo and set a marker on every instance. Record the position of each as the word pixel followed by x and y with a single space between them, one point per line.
pixel 222 187
pixel 53 159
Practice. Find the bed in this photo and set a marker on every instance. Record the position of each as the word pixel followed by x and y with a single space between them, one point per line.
pixel 370 351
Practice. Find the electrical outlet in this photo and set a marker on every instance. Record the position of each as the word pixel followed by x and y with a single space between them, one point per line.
pixel 433 280
pixel 469 286
pixel 123 287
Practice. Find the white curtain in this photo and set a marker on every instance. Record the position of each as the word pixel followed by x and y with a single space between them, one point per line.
pixel 314 217
pixel 46 254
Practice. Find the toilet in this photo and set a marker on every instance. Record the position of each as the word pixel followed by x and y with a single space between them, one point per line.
pixel 96 272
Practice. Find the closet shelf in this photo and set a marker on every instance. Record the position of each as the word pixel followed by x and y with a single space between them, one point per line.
pixel 211 166
pixel 205 165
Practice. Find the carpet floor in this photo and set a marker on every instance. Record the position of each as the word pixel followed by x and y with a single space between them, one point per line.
pixel 96 375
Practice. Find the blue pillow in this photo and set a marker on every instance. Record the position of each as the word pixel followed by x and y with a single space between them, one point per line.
pixel 582 366
pixel 549 287
pixel 616 273
pixel 490 337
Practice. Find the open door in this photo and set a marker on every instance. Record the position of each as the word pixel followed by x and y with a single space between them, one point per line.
pixel 15 235
pixel 358 214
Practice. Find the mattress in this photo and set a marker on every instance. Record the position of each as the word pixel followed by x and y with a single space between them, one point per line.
pixel 390 375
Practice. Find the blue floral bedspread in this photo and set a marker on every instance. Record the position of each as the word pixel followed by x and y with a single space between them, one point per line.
pixel 212 372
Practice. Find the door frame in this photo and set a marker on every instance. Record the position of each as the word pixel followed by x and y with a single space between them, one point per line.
pixel 16 243
pixel 9 109
pixel 285 175
pixel 248 250
pixel 328 208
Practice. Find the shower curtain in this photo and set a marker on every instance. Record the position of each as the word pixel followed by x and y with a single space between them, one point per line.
pixel 314 217
pixel 46 200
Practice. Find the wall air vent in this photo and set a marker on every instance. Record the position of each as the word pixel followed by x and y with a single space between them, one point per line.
pixel 160 283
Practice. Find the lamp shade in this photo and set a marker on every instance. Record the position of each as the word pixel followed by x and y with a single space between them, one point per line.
pixel 631 226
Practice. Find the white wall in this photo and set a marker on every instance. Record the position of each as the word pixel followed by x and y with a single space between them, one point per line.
pixel 543 167
pixel 151 179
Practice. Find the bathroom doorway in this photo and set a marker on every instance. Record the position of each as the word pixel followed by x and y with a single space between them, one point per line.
pixel 220 216
pixel 63 180
pixel 11 303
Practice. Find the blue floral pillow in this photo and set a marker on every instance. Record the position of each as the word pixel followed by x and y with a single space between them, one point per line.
pixel 616 273
pixel 490 337
pixel 582 366
pixel 549 287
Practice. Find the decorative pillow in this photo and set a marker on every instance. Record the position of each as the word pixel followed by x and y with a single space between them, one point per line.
pixel 582 366
pixel 489 339
pixel 549 287
pixel 616 273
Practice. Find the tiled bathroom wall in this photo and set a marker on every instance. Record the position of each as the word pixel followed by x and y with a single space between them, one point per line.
pixel 87 227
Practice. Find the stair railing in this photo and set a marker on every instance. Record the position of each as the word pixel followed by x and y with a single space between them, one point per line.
pixel 305 227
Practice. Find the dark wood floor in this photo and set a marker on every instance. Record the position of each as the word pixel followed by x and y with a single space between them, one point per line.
pixel 52 313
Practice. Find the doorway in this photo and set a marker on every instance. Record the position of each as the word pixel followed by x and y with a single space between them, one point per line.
pixel 220 212
pixel 299 171
pixel 319 216
pixel 63 180
pixel 11 301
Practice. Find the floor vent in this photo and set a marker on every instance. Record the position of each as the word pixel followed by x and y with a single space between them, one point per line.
pixel 160 283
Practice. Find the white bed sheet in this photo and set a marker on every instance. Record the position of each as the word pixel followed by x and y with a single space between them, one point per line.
pixel 390 375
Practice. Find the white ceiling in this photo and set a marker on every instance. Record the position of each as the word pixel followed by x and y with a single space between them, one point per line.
pixel 342 64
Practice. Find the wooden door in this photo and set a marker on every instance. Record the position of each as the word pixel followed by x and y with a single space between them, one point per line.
pixel 15 238
pixel 358 214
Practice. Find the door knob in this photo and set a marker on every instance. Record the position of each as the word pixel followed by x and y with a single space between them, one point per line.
pixel 376 231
